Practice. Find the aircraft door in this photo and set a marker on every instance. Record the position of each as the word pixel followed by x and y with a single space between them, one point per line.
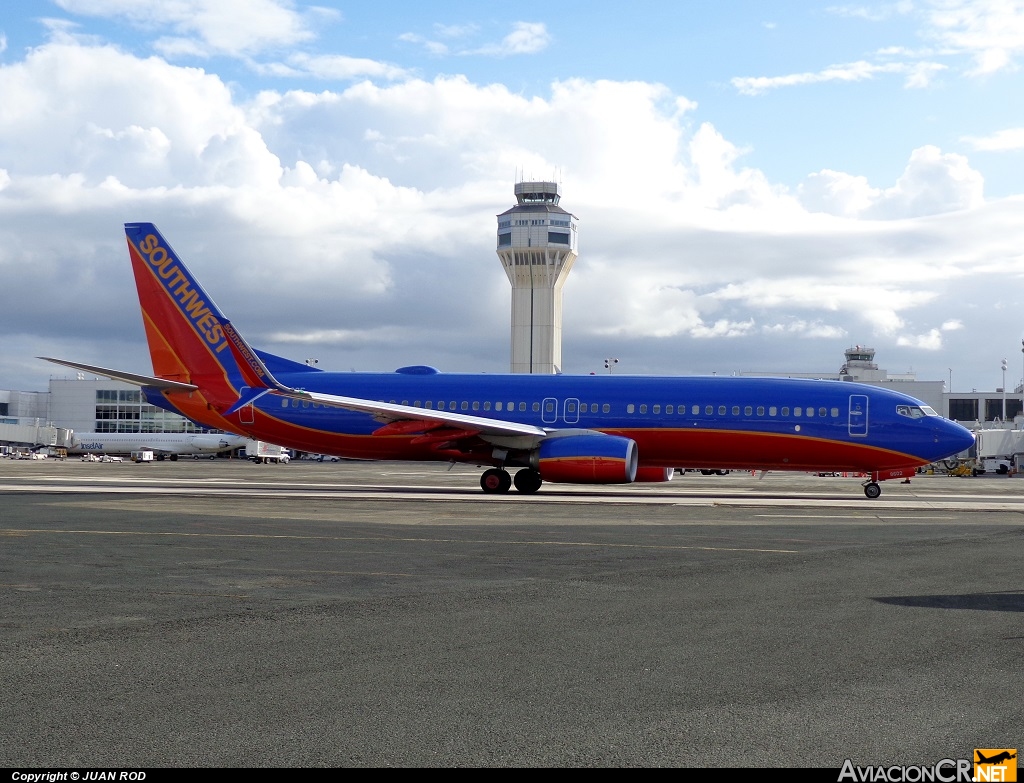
pixel 858 416
pixel 549 410
pixel 245 414
pixel 571 410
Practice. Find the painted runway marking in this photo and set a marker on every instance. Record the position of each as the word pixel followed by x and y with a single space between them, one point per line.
pixel 391 539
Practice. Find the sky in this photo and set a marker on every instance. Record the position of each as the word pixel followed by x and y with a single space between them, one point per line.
pixel 759 185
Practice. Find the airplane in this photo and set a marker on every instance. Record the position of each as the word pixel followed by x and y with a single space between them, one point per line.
pixel 592 429
pixel 996 759
pixel 162 444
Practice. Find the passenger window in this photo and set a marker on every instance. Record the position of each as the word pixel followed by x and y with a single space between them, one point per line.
pixel 522 406
pixel 721 410
pixel 465 405
pixel 696 410
pixel 487 405
pixel 440 405
pixel 822 412
pixel 451 405
pixel 747 411
pixel 284 402
pixel 643 409
pixel 656 409
pixel 536 407
pixel 709 410
pixel 606 408
pixel 417 404
pixel 497 406
pixel 430 405
pixel 772 410
pixel 669 409
pixel 835 413
pixel 476 406
pixel 810 413
pixel 785 411
pixel 549 407
pixel 798 411
pixel 735 410
pixel 630 408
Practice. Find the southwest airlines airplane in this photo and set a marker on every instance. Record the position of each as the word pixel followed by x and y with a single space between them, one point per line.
pixel 593 429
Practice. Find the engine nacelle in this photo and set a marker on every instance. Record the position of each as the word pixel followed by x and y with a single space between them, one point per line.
pixel 655 475
pixel 586 459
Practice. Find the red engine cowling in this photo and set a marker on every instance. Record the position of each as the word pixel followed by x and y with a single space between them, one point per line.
pixel 587 459
pixel 655 475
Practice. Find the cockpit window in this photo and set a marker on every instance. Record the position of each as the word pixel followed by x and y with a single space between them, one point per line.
pixel 915 412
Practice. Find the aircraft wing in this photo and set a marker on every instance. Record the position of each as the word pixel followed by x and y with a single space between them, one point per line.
pixel 399 415
pixel 397 419
pixel 127 377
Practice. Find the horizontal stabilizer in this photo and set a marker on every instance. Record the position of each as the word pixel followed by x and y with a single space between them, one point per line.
pixel 127 377
pixel 248 396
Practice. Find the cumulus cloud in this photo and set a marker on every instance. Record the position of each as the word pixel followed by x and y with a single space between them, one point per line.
pixel 208 27
pixel 525 38
pixel 932 182
pixel 989 31
pixel 848 72
pixel 357 225
pixel 1001 141
pixel 872 13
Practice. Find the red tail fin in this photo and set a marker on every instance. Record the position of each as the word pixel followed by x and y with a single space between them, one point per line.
pixel 184 328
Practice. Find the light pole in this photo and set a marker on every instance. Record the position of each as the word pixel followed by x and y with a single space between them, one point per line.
pixel 950 389
pixel 1004 390
pixel 609 363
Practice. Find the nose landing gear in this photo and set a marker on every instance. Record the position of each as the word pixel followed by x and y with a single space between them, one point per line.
pixel 872 490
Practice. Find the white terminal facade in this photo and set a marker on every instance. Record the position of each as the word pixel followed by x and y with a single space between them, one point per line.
pixel 537 245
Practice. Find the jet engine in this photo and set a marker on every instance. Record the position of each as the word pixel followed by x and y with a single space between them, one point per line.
pixel 587 458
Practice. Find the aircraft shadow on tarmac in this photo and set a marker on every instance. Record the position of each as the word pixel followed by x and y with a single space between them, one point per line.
pixel 1003 601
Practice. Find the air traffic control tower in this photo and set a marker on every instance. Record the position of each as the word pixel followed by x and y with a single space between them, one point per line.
pixel 537 244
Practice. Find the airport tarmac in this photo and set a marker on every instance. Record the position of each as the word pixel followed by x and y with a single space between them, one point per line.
pixel 220 613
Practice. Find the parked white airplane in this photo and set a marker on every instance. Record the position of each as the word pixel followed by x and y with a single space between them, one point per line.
pixel 170 444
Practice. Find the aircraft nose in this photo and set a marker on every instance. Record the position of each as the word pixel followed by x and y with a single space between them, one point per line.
pixel 954 438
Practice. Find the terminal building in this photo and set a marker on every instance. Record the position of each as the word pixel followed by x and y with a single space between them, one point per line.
pixel 79 405
pixel 975 410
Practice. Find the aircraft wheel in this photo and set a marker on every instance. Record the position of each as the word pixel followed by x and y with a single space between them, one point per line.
pixel 872 490
pixel 174 458
pixel 495 481
pixel 528 481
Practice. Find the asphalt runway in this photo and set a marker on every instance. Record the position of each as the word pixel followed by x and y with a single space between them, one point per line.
pixel 220 613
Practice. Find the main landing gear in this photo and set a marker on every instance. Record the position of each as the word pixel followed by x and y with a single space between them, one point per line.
pixel 495 481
